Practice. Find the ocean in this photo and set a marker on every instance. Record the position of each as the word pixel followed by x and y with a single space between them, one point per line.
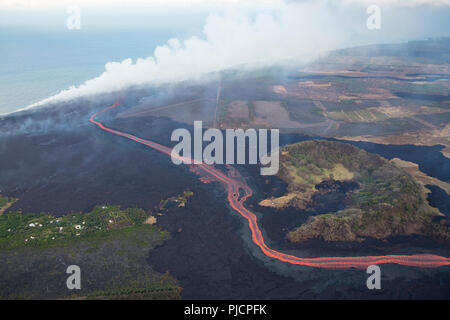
pixel 36 63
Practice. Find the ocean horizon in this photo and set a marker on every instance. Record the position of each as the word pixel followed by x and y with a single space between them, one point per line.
pixel 38 63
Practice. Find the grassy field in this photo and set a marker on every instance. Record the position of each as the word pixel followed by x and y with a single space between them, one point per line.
pixel 41 230
pixel 5 203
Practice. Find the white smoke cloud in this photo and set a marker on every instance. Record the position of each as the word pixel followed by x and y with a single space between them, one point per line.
pixel 48 4
pixel 401 3
pixel 299 31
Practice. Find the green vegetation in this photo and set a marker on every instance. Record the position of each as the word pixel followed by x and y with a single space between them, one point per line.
pixel 179 201
pixel 354 85
pixel 110 244
pixel 388 201
pixel 417 88
pixel 165 289
pixel 42 230
pixel 306 164
pixel 114 268
pixel 316 111
pixel 102 223
pixel 5 203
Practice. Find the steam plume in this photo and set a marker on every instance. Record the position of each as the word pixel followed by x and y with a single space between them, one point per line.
pixel 295 31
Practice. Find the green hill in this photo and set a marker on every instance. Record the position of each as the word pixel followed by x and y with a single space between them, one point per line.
pixel 387 201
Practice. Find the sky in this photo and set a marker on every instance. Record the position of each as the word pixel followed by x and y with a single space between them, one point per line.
pixel 47 4
pixel 428 15
pixel 232 33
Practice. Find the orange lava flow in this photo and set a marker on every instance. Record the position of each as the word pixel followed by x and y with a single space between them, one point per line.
pixel 234 185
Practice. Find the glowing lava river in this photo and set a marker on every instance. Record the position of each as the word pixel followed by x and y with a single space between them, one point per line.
pixel 238 191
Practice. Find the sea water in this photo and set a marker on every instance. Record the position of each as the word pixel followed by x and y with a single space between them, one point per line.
pixel 36 63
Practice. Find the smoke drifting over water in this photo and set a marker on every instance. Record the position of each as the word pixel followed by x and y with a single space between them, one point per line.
pixel 295 32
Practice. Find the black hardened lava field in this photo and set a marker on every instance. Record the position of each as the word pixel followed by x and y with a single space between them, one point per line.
pixel 233 157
